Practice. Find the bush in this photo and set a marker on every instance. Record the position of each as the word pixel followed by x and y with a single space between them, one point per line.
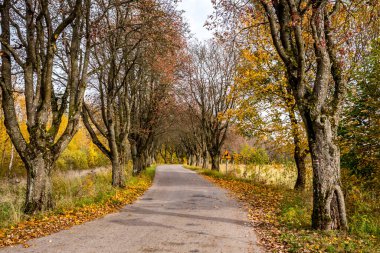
pixel 252 155
pixel 81 158
pixel 362 201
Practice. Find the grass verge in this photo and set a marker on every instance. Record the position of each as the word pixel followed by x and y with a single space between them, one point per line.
pixel 282 218
pixel 77 201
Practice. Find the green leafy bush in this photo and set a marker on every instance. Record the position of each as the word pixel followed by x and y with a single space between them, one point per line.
pixel 251 155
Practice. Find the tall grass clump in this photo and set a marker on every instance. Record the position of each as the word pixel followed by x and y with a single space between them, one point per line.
pixel 11 203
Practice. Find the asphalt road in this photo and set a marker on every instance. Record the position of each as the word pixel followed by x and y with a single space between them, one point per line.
pixel 181 212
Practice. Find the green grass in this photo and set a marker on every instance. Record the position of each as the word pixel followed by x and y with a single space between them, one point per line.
pixel 82 190
pixel 364 225
pixel 363 218
pixel 150 172
pixel 295 210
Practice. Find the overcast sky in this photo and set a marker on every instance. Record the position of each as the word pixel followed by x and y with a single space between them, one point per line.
pixel 196 13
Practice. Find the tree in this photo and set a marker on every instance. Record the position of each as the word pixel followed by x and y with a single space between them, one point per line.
pixel 264 103
pixel 309 39
pixel 152 83
pixel 107 110
pixel 46 44
pixel 149 95
pixel 191 137
pixel 129 80
pixel 210 76
pixel 359 129
pixel 319 95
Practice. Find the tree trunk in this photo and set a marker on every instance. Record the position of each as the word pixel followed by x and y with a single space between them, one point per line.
pixel 205 160
pixel 138 158
pixel 301 169
pixel 10 167
pixel 197 160
pixel 329 210
pixel 138 164
pixel 299 152
pixel 163 155
pixel 39 187
pixel 117 172
pixel 215 162
pixel 116 155
pixel 191 160
pixel 147 161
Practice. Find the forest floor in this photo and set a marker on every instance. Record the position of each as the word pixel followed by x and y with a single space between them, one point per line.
pixel 281 218
pixel 181 212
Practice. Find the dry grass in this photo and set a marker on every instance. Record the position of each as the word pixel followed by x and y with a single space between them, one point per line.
pixel 283 175
pixel 95 199
pixel 70 189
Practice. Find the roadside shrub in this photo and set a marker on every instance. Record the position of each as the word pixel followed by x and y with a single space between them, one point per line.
pixel 251 155
pixel 212 173
pixel 73 160
pixel 81 158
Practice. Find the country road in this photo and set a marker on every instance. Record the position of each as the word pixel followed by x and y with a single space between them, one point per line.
pixel 181 212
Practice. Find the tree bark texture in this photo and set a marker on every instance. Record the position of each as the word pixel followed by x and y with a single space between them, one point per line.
pixel 299 158
pixel 300 152
pixel 329 210
pixel 204 159
pixel 215 159
pixel 39 186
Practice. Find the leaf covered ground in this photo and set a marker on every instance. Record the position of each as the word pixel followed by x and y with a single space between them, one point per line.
pixel 59 219
pixel 281 219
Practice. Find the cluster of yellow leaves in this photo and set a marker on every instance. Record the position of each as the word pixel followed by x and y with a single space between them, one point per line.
pixel 52 222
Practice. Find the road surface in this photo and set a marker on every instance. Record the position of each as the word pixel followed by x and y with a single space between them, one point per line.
pixel 181 212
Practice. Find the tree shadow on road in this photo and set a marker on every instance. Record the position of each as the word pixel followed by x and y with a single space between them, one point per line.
pixel 138 210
